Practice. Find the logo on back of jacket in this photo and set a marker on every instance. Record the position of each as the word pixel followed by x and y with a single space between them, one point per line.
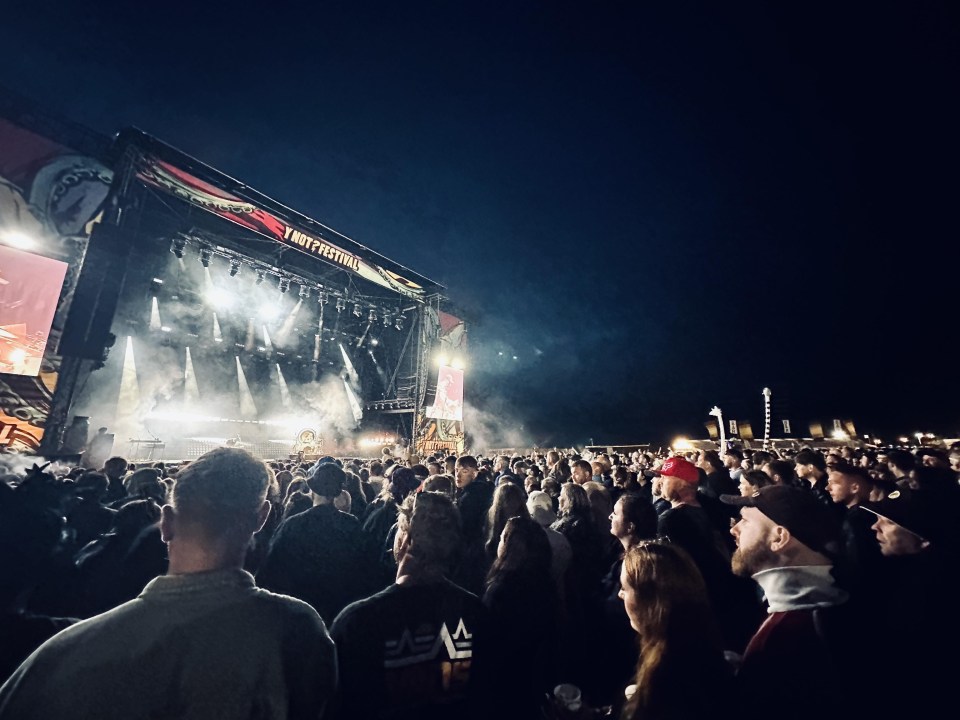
pixel 428 664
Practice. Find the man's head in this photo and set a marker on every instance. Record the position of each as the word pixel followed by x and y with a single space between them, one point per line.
pixel 781 526
pixel 581 472
pixel 115 468
pixel 732 459
pixel 428 528
pixel 326 480
pixel 465 471
pixel 900 462
pixel 450 463
pixel 849 485
pixel 678 480
pixel 809 464
pixel 709 461
pixel 218 501
pixel 907 522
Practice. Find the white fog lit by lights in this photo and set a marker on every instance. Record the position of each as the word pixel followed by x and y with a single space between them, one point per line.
pixel 269 311
pixel 371 441
pixel 17 355
pixel 219 298
pixel 17 239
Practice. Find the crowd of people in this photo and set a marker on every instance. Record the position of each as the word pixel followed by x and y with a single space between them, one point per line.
pixel 745 584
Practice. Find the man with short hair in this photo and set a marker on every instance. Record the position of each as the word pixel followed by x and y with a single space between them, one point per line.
pixel 202 641
pixel 732 461
pixel 811 467
pixel 581 472
pixel 416 649
pixel 785 541
pixel 850 486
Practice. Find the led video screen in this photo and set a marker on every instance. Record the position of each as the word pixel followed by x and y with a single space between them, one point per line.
pixel 29 290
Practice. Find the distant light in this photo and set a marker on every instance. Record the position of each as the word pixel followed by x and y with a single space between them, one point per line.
pixel 442 360
pixel 166 328
pixel 17 239
pixel 158 281
pixel 500 354
pixel 681 443
pixel 515 357
pixel 18 355
pixel 904 440
pixel 374 342
pixel 840 435
pixel 457 364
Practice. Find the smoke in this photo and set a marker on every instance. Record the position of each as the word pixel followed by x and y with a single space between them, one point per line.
pixel 498 425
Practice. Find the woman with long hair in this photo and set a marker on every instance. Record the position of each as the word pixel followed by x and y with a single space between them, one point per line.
pixel 508 501
pixel 681 672
pixel 522 599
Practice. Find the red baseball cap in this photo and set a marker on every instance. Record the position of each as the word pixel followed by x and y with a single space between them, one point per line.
pixel 679 468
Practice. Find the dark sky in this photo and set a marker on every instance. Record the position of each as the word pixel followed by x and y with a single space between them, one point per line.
pixel 657 207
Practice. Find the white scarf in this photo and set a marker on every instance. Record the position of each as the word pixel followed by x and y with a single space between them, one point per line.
pixel 801 587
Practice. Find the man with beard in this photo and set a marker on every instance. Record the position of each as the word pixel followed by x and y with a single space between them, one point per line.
pixel 786 539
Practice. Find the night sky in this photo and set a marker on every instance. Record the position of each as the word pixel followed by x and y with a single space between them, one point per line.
pixel 655 209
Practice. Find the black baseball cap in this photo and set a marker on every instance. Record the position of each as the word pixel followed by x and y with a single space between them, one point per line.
pixel 798 510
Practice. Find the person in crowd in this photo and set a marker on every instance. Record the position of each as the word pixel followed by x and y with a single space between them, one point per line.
pixel 89 519
pixel 688 525
pixel 358 499
pixel 473 498
pixel 508 502
pixel 440 483
pixel 850 486
pixel 733 462
pixel 581 472
pixel 681 671
pixel 900 462
pixel 115 469
pixel 602 507
pixel 540 507
pixel 575 523
pixel 786 539
pixel 418 648
pixel 116 566
pixel 716 481
pixel 321 555
pixel 811 467
pixel 381 515
pixel 201 641
pixel 525 641
pixel 752 480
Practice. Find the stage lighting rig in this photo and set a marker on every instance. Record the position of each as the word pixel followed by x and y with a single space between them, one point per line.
pixel 399 322
pixel 261 275
pixel 386 318
pixel 234 267
pixel 177 246
pixel 322 298
pixel 340 304
pixel 284 285
pixel 304 292
pixel 205 256
pixel 357 310
pixel 372 317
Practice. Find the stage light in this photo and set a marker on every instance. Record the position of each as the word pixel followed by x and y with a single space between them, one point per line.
pixel 155 286
pixel 261 274
pixel 374 342
pixel 205 256
pixel 234 268
pixel 398 324
pixel 177 246
pixel 386 319
pixel 682 444
pixel 357 310
pixel 322 298
pixel 340 304
pixel 372 317
pixel 442 360
pixel 457 364
pixel 17 355
pixel 17 239
pixel 304 292
pixel 284 285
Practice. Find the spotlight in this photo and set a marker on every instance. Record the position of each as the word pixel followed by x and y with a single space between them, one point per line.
pixel 260 275
pixel 155 285
pixel 386 319
pixel 177 246
pixel 340 304
pixel 399 322
pixel 372 317
pixel 322 299
pixel 304 292
pixel 357 310
pixel 18 240
pixel 205 256
pixel 284 285
pixel 234 268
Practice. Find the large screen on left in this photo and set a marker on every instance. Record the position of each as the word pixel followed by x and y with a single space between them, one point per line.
pixel 29 290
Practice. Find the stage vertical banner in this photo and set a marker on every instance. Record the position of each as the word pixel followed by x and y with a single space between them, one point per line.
pixel 442 429
pixel 50 198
